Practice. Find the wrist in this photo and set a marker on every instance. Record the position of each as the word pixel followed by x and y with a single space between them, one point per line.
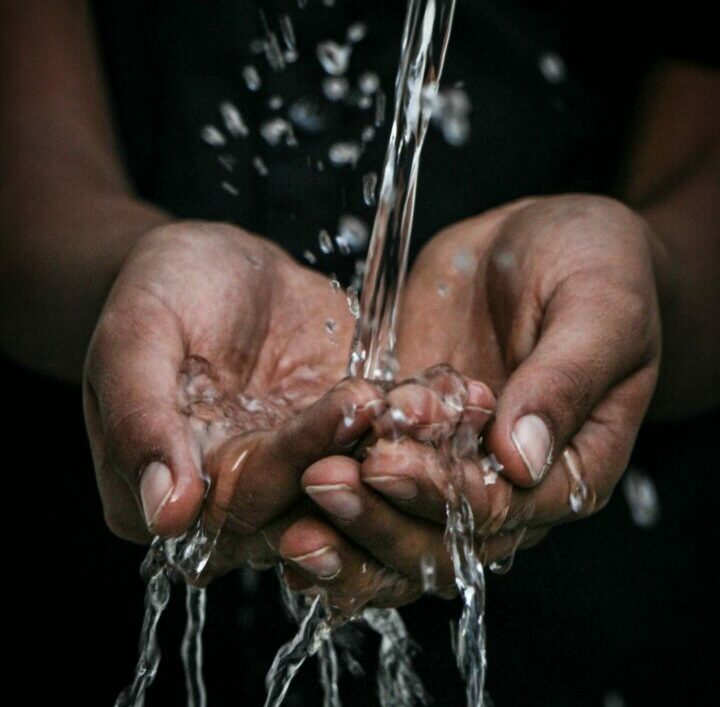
pixel 58 264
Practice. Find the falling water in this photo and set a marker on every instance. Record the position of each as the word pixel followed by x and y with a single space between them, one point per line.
pixel 155 572
pixel 373 355
pixel 424 44
pixel 186 555
pixel 191 651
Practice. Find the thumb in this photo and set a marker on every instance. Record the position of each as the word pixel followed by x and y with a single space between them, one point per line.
pixel 590 339
pixel 147 462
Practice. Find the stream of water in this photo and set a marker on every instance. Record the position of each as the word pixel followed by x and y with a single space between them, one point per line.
pixel 373 355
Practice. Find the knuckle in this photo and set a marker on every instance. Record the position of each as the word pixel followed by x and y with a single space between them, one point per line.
pixel 572 386
pixel 568 389
pixel 383 539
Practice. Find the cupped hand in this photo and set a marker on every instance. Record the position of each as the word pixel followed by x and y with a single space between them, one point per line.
pixel 552 302
pixel 210 367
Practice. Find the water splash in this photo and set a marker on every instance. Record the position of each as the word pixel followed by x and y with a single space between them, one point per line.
pixel 642 498
pixel 424 44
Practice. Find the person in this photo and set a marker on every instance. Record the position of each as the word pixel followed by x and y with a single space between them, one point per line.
pixel 557 319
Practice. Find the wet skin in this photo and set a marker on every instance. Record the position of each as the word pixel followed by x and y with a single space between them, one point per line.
pixel 548 310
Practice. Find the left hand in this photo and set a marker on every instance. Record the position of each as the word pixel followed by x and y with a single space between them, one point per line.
pixel 553 303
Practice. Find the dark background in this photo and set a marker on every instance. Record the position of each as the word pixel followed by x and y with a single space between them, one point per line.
pixel 600 606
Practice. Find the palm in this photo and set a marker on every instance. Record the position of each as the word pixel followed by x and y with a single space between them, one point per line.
pixel 448 287
pixel 222 327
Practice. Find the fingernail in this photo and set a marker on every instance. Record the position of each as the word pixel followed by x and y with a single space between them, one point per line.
pixel 337 499
pixel 324 563
pixel 156 487
pixel 478 395
pixel 534 444
pixel 394 486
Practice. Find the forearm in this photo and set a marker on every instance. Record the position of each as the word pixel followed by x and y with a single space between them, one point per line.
pixel 687 221
pixel 64 245
pixel 67 216
pixel 673 180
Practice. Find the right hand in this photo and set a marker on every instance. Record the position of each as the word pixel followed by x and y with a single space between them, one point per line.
pixel 201 315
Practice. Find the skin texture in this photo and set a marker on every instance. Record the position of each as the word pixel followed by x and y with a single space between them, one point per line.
pixel 217 301
pixel 553 312
pixel 552 302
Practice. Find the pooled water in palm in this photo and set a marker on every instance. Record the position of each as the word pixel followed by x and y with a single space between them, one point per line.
pixel 424 43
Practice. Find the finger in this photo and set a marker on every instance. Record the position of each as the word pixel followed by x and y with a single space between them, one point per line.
pixel 427 406
pixel 583 478
pixel 431 405
pixel 393 538
pixel 119 502
pixel 417 479
pixel 592 338
pixel 256 476
pixel 138 434
pixel 259 550
pixel 319 555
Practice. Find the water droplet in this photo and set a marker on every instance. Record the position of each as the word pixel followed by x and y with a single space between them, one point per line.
pixel 330 326
pixel 228 162
pixel 260 166
pixel 287 32
pixel 369 185
pixel 380 102
pixel 257 45
pixel 552 67
pixel 398 416
pixel 578 488
pixel 273 52
pixel 464 262
pixel 349 413
pixel 334 57
pixel 352 235
pixel 345 153
pixel 503 565
pixel 335 88
pixel 233 120
pixel 275 102
pixel 450 113
pixel 369 82
pixel 353 302
pixel 368 133
pixel 305 114
pixel 251 77
pixel 310 257
pixel 334 283
pixel 356 32
pixel 277 130
pixel 230 189
pixel 504 260
pixel 442 289
pixel 428 571
pixel 325 242
pixel 212 136
pixel 364 102
pixel 642 498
